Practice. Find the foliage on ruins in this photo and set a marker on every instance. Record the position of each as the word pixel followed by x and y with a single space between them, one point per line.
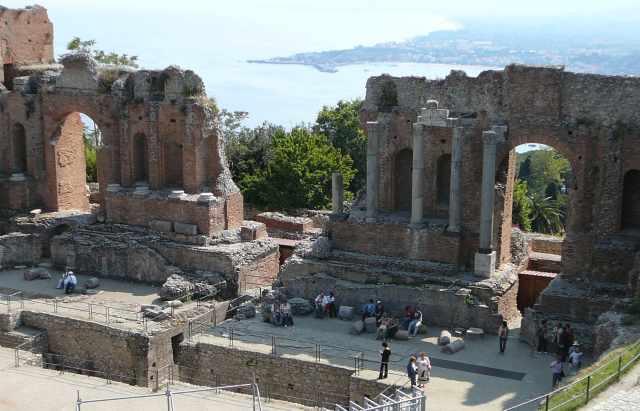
pixel 101 56
pixel 298 172
pixel 341 125
pixel 540 197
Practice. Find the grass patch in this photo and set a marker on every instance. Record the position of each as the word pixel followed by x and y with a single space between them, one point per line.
pixel 603 373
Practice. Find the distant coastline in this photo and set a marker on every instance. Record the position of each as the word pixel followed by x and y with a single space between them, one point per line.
pixel 478 49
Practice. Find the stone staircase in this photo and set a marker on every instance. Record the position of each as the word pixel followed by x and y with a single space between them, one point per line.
pixel 545 262
pixel 27 338
pixel 368 269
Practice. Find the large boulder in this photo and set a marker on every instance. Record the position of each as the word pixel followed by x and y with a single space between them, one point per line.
pixel 345 313
pixel 357 327
pixel 246 310
pixel 300 306
pixel 92 282
pixel 453 347
pixel 36 274
pixel 175 287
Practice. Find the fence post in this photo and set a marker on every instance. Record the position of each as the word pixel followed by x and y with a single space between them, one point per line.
pixel 273 345
pixel 619 367
pixel 546 403
pixel 78 402
pixel 588 387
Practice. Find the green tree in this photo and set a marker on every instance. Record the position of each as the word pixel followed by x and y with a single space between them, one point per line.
pixel 248 150
pixel 525 169
pixel 88 46
pixel 298 172
pixel 90 153
pixel 547 215
pixel 522 207
pixel 341 125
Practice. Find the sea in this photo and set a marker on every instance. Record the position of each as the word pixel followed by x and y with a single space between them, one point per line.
pixel 289 95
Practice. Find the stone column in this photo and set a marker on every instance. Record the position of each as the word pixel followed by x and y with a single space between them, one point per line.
pixel 455 194
pixel 417 175
pixel 337 193
pixel 373 138
pixel 485 258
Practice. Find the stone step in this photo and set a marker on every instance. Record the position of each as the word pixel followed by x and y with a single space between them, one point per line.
pixel 365 274
pixel 545 262
pixel 26 337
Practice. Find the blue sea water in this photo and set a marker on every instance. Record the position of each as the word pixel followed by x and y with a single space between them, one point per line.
pixel 291 94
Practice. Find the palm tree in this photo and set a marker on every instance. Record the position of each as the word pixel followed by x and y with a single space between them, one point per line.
pixel 547 214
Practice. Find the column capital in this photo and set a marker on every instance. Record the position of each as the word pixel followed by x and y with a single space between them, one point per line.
pixel 432 116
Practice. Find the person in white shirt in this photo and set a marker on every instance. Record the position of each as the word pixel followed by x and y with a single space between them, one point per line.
pixel 329 304
pixel 424 369
pixel 575 358
pixel 70 283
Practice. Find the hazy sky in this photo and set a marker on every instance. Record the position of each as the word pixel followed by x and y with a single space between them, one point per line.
pixel 263 28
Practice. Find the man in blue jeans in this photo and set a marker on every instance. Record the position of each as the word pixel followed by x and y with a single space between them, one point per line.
pixel 70 283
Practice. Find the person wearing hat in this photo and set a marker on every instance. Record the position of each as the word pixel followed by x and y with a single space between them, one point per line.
pixel 575 356
pixel 70 283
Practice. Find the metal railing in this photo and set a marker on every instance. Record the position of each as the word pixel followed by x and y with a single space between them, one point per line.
pixel 582 395
pixel 169 395
pixel 415 400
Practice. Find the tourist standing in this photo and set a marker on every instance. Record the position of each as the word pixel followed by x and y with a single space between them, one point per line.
pixel 542 337
pixel 385 354
pixel 379 312
pixel 424 369
pixel 503 334
pixel 558 338
pixel 575 356
pixel 412 370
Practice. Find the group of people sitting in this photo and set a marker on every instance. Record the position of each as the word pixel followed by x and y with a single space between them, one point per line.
pixel 281 314
pixel 387 325
pixel 325 304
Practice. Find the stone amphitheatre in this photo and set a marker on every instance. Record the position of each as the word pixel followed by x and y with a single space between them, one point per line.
pixel 172 268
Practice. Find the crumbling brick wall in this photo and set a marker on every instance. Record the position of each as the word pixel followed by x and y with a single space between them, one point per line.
pixel 26 37
pixel 592 120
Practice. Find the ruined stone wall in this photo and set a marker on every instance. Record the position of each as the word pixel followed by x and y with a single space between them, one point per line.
pixel 283 378
pixel 395 240
pixel 127 207
pixel 26 37
pixel 19 249
pixel 591 119
pixel 95 346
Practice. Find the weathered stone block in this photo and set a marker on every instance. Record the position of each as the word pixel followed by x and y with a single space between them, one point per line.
pixel 161 225
pixel 252 230
pixel 187 229
pixel 453 347
pixel 345 313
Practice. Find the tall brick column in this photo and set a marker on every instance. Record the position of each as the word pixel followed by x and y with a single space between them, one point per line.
pixel 485 258
pixel 373 138
pixel 455 194
pixel 417 174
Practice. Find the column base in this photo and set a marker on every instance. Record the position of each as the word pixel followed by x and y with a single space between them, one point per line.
pixel 485 264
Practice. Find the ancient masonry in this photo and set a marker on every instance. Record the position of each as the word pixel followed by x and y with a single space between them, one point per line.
pixel 165 193
pixel 433 230
pixel 435 227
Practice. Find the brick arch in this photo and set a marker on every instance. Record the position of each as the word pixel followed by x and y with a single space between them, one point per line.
pixel 65 155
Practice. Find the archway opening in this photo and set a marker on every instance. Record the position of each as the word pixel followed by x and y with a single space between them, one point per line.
pixel 540 203
pixel 76 142
pixel 631 201
pixel 541 190
pixel 140 163
pixel 19 149
pixel 402 180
